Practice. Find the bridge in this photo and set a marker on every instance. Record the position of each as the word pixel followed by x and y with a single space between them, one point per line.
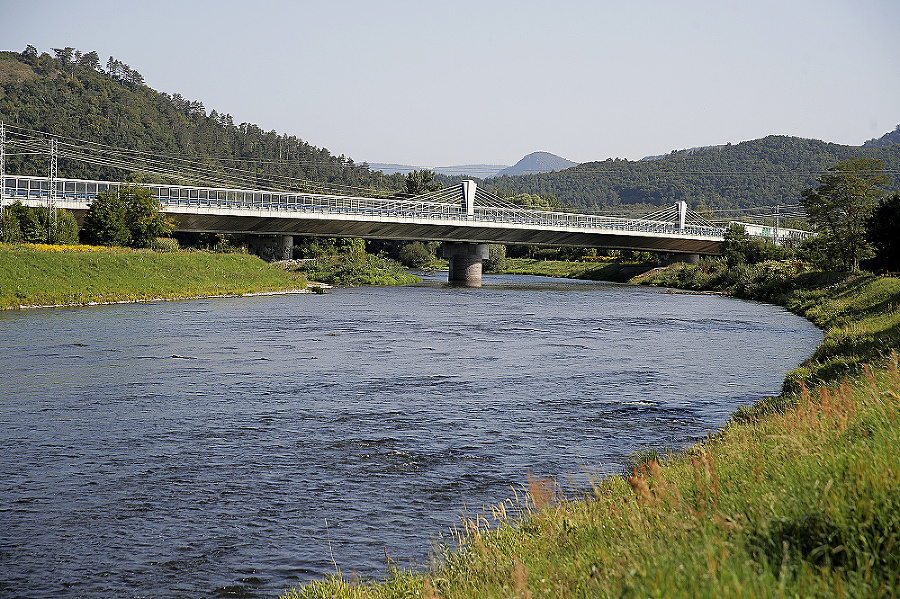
pixel 464 217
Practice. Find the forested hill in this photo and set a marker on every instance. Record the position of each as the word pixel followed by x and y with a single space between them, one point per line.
pixel 73 96
pixel 70 95
pixel 763 172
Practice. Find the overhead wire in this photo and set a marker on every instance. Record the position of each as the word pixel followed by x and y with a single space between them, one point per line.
pixel 192 168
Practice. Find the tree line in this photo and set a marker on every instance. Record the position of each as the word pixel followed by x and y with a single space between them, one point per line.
pixel 856 222
pixel 770 171
pixel 71 95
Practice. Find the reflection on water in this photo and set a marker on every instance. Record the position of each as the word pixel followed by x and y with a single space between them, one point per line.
pixel 197 448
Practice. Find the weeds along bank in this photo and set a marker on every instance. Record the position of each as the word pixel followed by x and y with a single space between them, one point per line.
pixel 578 269
pixel 798 496
pixel 54 275
pixel 358 268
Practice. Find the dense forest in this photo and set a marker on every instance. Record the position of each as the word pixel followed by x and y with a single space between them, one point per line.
pixel 763 172
pixel 73 97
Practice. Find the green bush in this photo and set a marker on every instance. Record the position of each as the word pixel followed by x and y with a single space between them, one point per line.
pixel 24 224
pixel 357 269
pixel 164 244
pixel 127 217
pixel 496 259
pixel 416 255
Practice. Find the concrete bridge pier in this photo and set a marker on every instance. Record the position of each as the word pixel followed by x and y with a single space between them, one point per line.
pixel 465 263
pixel 271 247
pixel 285 247
pixel 675 257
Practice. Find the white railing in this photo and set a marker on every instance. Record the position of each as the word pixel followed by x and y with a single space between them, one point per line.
pixel 18 187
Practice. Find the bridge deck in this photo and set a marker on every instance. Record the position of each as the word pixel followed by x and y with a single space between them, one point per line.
pixel 211 209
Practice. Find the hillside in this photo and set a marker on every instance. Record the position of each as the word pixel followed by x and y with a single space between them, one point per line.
pixel 763 172
pixel 462 170
pixel 71 96
pixel 537 162
pixel 887 139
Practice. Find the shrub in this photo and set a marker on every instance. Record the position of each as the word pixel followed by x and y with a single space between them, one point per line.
pixel 164 244
pixel 416 255
pixel 496 259
pixel 24 224
pixel 128 216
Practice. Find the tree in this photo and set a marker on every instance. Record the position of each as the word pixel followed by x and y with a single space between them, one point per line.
pixel 129 216
pixel 734 247
pixel 104 222
pixel 884 232
pixel 90 60
pixel 741 248
pixel 23 224
pixel 416 254
pixel 65 230
pixel 842 204
pixel 496 259
pixel 419 182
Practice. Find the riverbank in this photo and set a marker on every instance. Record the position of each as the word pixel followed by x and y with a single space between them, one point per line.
pixel 797 495
pixel 616 272
pixel 37 275
pixel 352 269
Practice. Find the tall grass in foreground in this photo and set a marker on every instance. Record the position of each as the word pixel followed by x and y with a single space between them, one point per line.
pixel 33 275
pixel 799 497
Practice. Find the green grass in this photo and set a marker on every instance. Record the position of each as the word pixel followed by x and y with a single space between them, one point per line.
pixel 799 498
pixel 63 275
pixel 595 271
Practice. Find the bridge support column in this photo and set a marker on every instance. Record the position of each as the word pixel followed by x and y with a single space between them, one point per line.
pixel 465 263
pixel 672 258
pixel 285 247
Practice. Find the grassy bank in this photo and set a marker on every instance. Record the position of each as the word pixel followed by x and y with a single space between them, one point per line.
pixel 798 496
pixel 594 271
pixel 61 275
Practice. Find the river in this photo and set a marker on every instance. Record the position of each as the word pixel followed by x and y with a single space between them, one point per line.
pixel 235 447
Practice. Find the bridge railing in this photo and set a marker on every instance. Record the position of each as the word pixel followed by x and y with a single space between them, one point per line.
pixel 181 196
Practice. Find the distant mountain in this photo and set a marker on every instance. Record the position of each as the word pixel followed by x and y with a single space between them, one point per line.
pixel 888 139
pixel 480 171
pixel 536 162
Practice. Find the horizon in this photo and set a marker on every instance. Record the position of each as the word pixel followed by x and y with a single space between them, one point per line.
pixel 486 84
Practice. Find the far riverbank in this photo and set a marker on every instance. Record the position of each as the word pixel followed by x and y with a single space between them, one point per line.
pixel 60 275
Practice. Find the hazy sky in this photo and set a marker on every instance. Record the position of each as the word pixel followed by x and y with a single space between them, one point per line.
pixel 435 83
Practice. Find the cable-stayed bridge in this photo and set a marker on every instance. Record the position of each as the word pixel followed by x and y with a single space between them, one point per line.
pixel 462 214
pixel 465 217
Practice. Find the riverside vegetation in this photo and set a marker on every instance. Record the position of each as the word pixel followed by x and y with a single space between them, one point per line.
pixel 798 495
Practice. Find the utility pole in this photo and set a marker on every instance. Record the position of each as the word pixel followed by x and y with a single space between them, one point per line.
pixel 776 214
pixel 51 197
pixel 2 173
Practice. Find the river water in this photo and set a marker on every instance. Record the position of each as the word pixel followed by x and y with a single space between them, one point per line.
pixel 234 447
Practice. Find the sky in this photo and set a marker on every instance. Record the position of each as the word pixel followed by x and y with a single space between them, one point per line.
pixel 440 83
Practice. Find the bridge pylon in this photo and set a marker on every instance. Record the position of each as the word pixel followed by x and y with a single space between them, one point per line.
pixel 465 263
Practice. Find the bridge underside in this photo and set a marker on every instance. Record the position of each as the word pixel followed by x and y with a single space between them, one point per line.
pixel 452 232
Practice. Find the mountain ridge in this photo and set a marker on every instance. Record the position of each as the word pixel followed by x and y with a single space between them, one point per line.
pixel 75 98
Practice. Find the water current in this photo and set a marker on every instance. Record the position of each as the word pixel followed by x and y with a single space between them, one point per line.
pixel 235 447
